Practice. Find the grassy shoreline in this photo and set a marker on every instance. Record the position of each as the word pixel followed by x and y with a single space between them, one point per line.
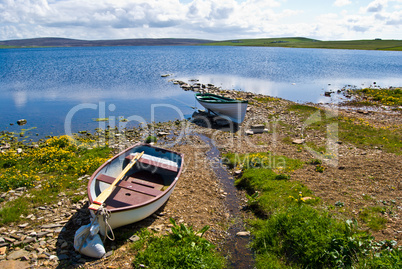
pixel 300 42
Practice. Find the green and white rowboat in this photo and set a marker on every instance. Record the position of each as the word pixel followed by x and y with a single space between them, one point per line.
pixel 234 110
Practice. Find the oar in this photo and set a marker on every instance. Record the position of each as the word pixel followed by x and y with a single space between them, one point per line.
pixel 106 193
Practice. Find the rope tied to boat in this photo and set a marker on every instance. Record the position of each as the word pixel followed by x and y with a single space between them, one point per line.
pixel 102 210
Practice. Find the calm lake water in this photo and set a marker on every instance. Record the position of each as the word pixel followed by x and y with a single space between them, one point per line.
pixel 54 88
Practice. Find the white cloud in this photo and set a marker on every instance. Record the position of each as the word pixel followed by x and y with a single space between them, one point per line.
pixel 376 6
pixel 341 3
pixel 208 19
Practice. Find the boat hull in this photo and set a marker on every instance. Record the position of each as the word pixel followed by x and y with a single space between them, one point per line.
pixel 227 108
pixel 146 187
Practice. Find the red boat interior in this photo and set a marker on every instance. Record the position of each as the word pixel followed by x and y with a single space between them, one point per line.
pixel 136 189
pixel 140 186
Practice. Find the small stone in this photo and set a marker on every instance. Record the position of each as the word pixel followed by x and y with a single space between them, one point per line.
pixel 246 233
pixel 33 234
pixel 63 257
pixel 158 228
pixel 23 225
pixel 21 189
pixel 237 172
pixel 9 239
pixel 16 236
pixel 249 132
pixel 64 245
pixel 22 122
pixel 28 240
pixel 362 111
pixel 53 257
pixel 134 238
pixel 298 141
pixel 16 255
pixel 163 133
pixel 42 234
pixel 11 264
pixel 3 250
pixel 257 128
pixel 107 254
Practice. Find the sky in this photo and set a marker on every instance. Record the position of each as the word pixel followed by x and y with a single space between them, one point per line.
pixel 202 19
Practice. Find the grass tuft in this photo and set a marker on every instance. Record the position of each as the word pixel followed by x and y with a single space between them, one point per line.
pixel 183 248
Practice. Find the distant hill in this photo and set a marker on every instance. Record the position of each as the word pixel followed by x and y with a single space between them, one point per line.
pixel 66 42
pixel 302 42
pixel 290 42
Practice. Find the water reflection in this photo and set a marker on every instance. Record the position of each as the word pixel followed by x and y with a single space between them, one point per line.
pixel 304 91
pixel 20 98
pixel 85 94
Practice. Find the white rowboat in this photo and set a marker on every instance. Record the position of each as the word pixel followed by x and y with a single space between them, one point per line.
pixel 143 189
pixel 234 110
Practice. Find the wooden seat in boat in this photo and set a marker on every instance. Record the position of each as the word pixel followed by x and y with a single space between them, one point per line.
pixel 133 191
pixel 152 186
pixel 155 161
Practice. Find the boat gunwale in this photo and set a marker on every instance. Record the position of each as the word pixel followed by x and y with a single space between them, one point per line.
pixel 226 99
pixel 133 207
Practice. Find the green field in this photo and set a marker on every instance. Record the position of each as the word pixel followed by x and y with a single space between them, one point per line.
pixel 301 42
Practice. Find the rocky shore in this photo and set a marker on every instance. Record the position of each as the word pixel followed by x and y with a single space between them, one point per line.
pixel 45 239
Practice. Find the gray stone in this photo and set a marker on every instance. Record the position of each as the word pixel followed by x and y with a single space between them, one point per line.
pixel 28 240
pixel 22 122
pixel 134 238
pixel 23 225
pixel 238 172
pixel 64 245
pixel 51 226
pixel 246 233
pixel 107 254
pixel 163 133
pixel 22 189
pixel 16 236
pixel 257 128
pixel 42 234
pixel 18 254
pixel 249 132
pixel 298 141
pixel 53 257
pixel 11 264
pixel 9 239
pixel 63 257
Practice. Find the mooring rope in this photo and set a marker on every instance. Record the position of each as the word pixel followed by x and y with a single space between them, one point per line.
pixel 106 215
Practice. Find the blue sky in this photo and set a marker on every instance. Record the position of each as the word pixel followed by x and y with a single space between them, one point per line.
pixel 204 19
